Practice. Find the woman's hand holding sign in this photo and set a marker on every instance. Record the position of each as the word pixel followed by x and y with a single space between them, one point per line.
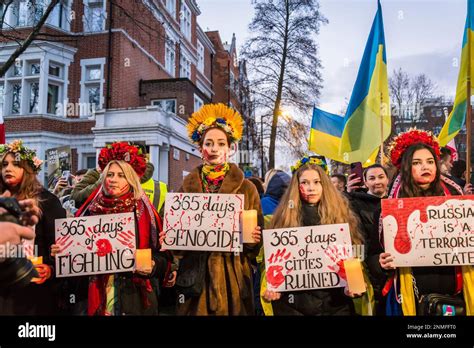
pixel 386 261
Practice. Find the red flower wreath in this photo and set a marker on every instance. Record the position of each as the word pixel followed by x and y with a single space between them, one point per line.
pixel 123 151
pixel 414 136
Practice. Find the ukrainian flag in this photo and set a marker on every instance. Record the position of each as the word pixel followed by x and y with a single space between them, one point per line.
pixel 457 118
pixel 360 135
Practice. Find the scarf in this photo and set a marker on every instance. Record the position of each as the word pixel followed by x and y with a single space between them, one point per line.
pixel 212 176
pixel 464 274
pixel 148 224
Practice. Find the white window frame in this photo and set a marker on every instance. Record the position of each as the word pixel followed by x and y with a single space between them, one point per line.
pixel 184 66
pixel 198 102
pixel 200 56
pixel 170 48
pixel 185 20
pixel 85 83
pixel 87 25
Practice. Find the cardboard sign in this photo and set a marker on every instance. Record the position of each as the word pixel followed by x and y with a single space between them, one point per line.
pixel 203 221
pixel 306 258
pixel 58 160
pixel 429 231
pixel 95 245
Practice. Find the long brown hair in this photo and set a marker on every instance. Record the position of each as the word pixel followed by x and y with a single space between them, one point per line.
pixel 409 188
pixel 333 208
pixel 30 187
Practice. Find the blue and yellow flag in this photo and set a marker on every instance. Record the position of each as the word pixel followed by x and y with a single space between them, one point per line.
pixel 357 136
pixel 457 118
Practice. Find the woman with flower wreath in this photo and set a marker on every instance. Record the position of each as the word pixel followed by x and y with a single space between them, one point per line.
pixel 416 154
pixel 19 168
pixel 217 283
pixel 315 201
pixel 119 191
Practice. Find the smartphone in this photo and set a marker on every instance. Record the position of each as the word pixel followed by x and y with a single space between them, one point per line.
pixel 66 175
pixel 356 168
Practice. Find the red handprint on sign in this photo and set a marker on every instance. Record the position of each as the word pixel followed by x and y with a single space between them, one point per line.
pixel 126 238
pixel 275 275
pixel 64 242
pixel 337 254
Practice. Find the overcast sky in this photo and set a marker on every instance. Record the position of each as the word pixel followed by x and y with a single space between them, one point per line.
pixel 422 36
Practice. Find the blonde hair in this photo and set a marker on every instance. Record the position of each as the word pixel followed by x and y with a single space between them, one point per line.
pixel 333 208
pixel 130 175
pixel 30 187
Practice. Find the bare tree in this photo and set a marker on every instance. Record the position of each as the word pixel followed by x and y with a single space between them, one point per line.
pixel 9 33
pixel 283 63
pixel 423 89
pixel 399 85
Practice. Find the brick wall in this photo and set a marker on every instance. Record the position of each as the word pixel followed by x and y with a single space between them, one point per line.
pixel 176 168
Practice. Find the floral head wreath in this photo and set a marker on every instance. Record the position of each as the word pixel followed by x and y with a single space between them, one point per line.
pixel 402 142
pixel 215 116
pixel 123 151
pixel 307 160
pixel 18 149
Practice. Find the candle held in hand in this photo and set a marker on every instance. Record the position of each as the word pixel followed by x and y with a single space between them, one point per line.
pixel 355 277
pixel 248 223
pixel 143 259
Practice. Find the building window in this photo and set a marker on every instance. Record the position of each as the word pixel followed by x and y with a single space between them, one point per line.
pixel 90 162
pixel 94 15
pixel 167 105
pixel 55 70
pixel 35 69
pixel 439 113
pixel 200 52
pixel 170 57
pixel 16 98
pixel 34 98
pixel 21 12
pixel 185 16
pixel 53 99
pixel 198 103
pixel 18 68
pixel 171 7
pixel 92 82
pixel 185 67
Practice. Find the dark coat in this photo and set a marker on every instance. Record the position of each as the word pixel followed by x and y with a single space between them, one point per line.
pixel 227 286
pixel 37 299
pixel 313 302
pixel 275 190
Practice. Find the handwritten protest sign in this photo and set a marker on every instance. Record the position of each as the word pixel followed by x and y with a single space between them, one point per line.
pixel 202 221
pixel 429 231
pixel 306 258
pixel 95 245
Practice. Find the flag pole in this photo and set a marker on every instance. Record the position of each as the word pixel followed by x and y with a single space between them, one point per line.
pixel 381 129
pixel 468 100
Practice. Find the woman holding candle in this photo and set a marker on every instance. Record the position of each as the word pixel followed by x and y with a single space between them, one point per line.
pixel 416 154
pixel 312 200
pixel 119 191
pixel 217 283
pixel 19 168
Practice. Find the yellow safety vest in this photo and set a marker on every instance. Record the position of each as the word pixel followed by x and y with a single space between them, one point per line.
pixel 149 188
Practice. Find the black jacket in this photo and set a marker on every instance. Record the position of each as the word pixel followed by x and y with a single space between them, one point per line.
pixel 37 299
pixel 313 302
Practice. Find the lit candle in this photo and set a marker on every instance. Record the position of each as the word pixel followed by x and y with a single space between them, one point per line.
pixel 249 222
pixel 36 260
pixel 143 259
pixel 355 277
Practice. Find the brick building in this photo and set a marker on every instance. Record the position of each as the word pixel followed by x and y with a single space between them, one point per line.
pixel 103 71
pixel 432 116
pixel 230 74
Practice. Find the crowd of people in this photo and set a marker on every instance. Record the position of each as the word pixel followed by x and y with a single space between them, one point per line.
pixel 228 283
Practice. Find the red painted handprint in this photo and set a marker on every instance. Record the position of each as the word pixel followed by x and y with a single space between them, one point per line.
pixel 337 254
pixel 126 238
pixel 64 242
